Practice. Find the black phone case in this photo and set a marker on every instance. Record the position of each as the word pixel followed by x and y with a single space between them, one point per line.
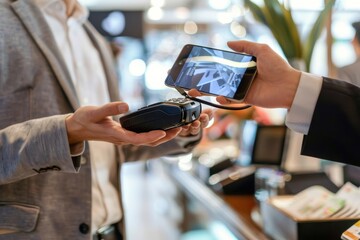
pixel 244 79
pixel 162 116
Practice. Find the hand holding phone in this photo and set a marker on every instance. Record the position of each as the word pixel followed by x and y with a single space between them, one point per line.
pixel 213 71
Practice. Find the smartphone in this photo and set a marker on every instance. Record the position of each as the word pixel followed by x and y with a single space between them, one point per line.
pixel 213 71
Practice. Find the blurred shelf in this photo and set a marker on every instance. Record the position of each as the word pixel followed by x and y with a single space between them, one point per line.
pixel 234 211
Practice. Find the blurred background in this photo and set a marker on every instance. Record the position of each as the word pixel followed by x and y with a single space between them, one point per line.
pixel 150 34
pixel 147 36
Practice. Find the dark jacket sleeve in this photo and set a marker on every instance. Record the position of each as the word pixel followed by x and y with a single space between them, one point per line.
pixel 334 132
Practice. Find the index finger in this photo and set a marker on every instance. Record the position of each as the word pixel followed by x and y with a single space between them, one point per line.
pixel 245 46
pixel 109 109
pixel 196 93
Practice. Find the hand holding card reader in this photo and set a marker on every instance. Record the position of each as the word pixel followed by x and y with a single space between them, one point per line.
pixel 166 115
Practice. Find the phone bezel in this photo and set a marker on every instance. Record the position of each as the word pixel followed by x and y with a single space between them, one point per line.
pixel 242 89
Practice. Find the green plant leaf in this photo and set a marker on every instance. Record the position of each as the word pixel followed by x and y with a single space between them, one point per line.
pixel 278 19
pixel 293 31
pixel 315 33
pixel 281 24
pixel 277 31
pixel 256 11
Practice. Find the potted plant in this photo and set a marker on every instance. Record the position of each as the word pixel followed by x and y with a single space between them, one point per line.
pixel 279 20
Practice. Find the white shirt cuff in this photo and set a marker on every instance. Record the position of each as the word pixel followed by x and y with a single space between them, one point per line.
pixel 301 111
pixel 79 153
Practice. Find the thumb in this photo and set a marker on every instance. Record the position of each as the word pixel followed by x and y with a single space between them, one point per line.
pixel 109 109
pixel 244 46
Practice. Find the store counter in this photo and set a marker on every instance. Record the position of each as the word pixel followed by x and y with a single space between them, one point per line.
pixel 233 212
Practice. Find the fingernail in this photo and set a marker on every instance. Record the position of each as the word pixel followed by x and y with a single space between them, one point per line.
pixel 123 107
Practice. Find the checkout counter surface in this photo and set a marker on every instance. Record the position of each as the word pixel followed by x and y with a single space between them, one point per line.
pixel 234 211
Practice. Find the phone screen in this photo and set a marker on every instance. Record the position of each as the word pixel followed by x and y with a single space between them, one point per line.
pixel 213 71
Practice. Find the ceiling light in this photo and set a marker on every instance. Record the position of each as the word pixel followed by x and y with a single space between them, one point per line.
pixel 237 29
pixel 190 27
pixel 155 13
pixel 182 13
pixel 219 4
pixel 137 67
pixel 157 3
pixel 224 17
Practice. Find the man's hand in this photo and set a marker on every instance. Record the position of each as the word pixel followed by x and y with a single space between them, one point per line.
pixel 195 127
pixel 96 123
pixel 275 83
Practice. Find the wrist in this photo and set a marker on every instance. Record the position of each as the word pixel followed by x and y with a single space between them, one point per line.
pixel 72 129
pixel 76 146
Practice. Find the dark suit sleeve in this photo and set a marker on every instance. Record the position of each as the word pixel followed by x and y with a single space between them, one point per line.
pixel 334 132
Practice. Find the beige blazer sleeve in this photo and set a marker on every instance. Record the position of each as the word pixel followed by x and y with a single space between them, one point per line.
pixel 34 146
